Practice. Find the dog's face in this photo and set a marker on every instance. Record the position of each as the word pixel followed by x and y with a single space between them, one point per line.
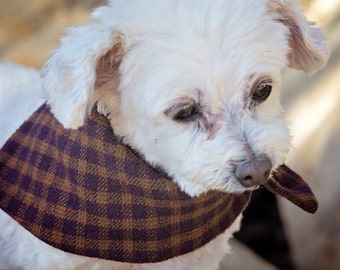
pixel 194 86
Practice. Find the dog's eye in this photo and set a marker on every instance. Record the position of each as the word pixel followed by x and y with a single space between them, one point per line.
pixel 187 113
pixel 262 92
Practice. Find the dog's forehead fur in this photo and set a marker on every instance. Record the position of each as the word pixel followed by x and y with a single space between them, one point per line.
pixel 215 62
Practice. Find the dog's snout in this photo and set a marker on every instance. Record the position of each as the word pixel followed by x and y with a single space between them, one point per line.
pixel 253 172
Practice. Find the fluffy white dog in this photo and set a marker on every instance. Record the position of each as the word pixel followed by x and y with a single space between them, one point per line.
pixel 192 85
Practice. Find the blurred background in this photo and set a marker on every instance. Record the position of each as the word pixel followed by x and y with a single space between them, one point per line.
pixel 29 30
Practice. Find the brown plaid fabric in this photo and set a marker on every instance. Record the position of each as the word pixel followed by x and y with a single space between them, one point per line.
pixel 84 192
pixel 290 185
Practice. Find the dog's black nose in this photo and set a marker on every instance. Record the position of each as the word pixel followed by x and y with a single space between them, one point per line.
pixel 253 172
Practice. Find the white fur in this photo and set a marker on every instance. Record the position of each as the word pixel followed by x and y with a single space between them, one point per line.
pixel 141 60
pixel 20 95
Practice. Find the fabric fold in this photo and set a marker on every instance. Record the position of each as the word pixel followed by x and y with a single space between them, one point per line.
pixel 84 192
pixel 288 184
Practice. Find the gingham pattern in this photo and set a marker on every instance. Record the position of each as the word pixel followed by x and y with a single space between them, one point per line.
pixel 290 185
pixel 84 192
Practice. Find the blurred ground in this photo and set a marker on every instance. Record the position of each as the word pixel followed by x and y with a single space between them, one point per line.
pixel 314 106
pixel 29 30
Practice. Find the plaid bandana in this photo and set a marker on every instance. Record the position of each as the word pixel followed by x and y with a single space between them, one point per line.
pixel 84 192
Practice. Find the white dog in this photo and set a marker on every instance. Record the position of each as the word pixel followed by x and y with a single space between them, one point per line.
pixel 192 85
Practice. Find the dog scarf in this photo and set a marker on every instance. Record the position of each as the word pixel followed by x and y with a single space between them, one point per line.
pixel 84 192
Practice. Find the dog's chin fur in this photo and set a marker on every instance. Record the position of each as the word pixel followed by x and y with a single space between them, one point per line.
pixel 142 62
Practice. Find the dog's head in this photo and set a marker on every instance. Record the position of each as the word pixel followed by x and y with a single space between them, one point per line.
pixel 193 85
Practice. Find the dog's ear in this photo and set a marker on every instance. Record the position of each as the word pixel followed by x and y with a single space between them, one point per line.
pixel 308 50
pixel 70 76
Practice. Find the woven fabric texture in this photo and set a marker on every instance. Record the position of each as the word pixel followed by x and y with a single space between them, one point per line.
pixel 86 193
pixel 290 185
